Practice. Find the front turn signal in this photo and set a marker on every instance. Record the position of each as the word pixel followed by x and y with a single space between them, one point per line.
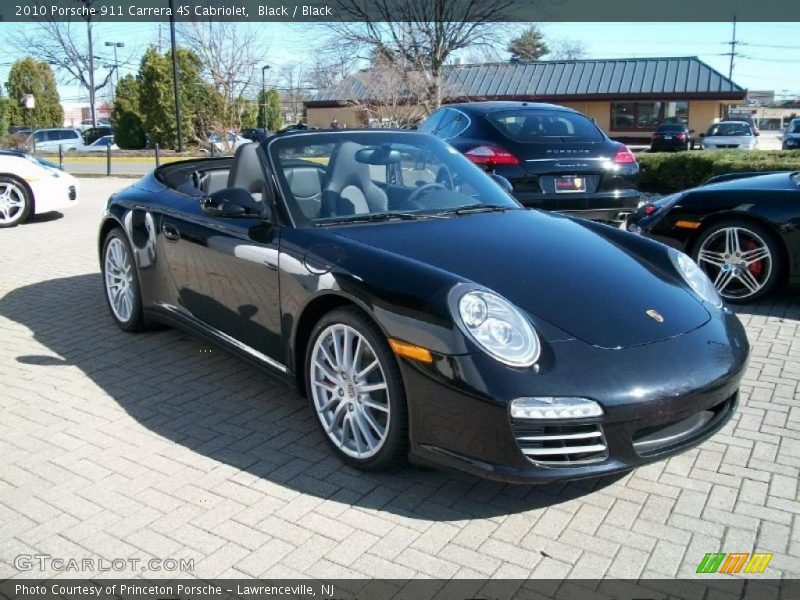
pixel 411 351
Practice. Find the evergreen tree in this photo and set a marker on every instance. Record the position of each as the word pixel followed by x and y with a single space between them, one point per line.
pixel 529 46
pixel 127 120
pixel 28 76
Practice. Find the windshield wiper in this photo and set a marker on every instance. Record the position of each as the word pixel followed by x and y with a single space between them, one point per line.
pixel 372 218
pixel 470 209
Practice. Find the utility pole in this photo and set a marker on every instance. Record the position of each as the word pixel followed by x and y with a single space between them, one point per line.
pixel 91 69
pixel 88 5
pixel 176 87
pixel 732 53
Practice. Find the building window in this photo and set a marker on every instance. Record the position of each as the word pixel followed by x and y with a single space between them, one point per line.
pixel 646 116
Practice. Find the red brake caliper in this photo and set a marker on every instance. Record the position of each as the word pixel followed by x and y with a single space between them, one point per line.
pixel 757 266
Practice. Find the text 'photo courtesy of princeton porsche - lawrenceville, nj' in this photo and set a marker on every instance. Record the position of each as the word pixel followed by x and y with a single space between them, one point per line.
pixel 399 300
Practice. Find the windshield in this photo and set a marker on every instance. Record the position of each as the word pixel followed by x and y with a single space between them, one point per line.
pixel 545 126
pixel 365 176
pixel 794 127
pixel 729 128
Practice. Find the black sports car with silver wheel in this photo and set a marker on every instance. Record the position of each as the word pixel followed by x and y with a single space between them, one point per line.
pixel 742 229
pixel 428 316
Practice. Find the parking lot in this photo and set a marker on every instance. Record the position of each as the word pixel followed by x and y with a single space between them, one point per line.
pixel 121 446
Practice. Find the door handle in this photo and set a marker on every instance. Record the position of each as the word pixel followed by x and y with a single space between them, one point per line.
pixel 170 232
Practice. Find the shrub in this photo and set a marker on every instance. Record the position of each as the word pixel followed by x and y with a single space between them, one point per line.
pixel 129 131
pixel 671 172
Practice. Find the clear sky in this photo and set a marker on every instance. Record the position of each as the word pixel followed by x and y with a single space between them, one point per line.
pixel 770 57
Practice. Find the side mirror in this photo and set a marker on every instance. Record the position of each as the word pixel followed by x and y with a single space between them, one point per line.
pixel 691 131
pixel 502 182
pixel 233 203
pixel 702 135
pixel 756 133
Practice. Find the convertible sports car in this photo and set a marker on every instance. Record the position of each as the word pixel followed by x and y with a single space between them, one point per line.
pixel 742 229
pixel 29 187
pixel 423 311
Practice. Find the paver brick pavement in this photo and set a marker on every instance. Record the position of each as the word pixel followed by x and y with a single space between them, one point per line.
pixel 157 446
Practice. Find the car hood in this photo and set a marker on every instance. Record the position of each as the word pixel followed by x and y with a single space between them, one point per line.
pixel 771 181
pixel 588 284
pixel 742 140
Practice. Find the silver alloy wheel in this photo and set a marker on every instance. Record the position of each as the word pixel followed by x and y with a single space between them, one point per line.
pixel 12 202
pixel 350 391
pixel 119 279
pixel 737 260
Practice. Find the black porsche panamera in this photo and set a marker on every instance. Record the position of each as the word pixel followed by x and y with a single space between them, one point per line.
pixel 423 312
pixel 742 229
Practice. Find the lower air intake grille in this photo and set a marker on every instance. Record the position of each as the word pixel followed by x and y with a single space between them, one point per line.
pixel 563 445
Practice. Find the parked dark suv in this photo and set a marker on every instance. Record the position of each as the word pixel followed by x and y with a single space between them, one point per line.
pixel 555 157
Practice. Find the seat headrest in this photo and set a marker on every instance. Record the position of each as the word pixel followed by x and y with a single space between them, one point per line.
pixel 247 171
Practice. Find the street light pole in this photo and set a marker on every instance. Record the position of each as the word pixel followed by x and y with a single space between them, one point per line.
pixel 115 45
pixel 175 86
pixel 264 94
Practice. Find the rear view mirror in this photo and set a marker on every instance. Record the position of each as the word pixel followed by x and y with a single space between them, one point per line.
pixel 502 182
pixel 232 203
pixel 381 155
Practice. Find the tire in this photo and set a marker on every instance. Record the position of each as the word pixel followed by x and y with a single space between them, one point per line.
pixel 746 276
pixel 336 394
pixel 15 202
pixel 122 283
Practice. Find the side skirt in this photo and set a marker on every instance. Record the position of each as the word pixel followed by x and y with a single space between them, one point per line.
pixel 178 317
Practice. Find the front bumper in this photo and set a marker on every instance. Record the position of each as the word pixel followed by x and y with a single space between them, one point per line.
pixel 658 399
pixel 54 193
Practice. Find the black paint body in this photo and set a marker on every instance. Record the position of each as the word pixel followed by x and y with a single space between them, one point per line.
pixel 611 188
pixel 257 287
pixel 771 200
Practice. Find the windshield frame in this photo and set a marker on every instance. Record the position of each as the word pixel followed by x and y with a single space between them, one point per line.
pixel 371 137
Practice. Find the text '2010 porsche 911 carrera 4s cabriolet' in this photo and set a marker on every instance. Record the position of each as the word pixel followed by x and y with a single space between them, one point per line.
pixel 424 312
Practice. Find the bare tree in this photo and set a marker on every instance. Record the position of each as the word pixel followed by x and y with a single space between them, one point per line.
pixel 419 36
pixel 295 88
pixel 566 49
pixel 331 64
pixel 231 57
pixel 64 45
pixel 387 97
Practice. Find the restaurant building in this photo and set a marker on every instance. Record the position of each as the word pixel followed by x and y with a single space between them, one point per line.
pixel 627 98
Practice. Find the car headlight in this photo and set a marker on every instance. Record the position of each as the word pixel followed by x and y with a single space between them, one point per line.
pixel 495 325
pixel 696 278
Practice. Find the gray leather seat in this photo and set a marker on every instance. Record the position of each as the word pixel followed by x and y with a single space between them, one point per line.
pixel 305 184
pixel 349 189
pixel 247 171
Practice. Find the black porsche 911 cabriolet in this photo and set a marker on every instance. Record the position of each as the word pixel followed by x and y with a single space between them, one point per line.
pixel 424 312
pixel 742 229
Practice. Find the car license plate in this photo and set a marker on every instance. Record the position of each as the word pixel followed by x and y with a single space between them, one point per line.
pixel 667 137
pixel 566 184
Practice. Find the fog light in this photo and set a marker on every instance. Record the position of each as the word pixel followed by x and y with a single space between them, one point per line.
pixel 554 408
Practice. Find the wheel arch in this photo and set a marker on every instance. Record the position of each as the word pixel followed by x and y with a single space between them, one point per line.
pixel 27 187
pixel 312 312
pixel 716 218
pixel 106 226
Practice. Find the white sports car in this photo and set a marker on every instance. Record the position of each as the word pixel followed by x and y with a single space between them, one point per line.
pixel 31 186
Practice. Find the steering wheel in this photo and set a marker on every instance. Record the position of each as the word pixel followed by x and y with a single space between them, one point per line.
pixel 424 189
